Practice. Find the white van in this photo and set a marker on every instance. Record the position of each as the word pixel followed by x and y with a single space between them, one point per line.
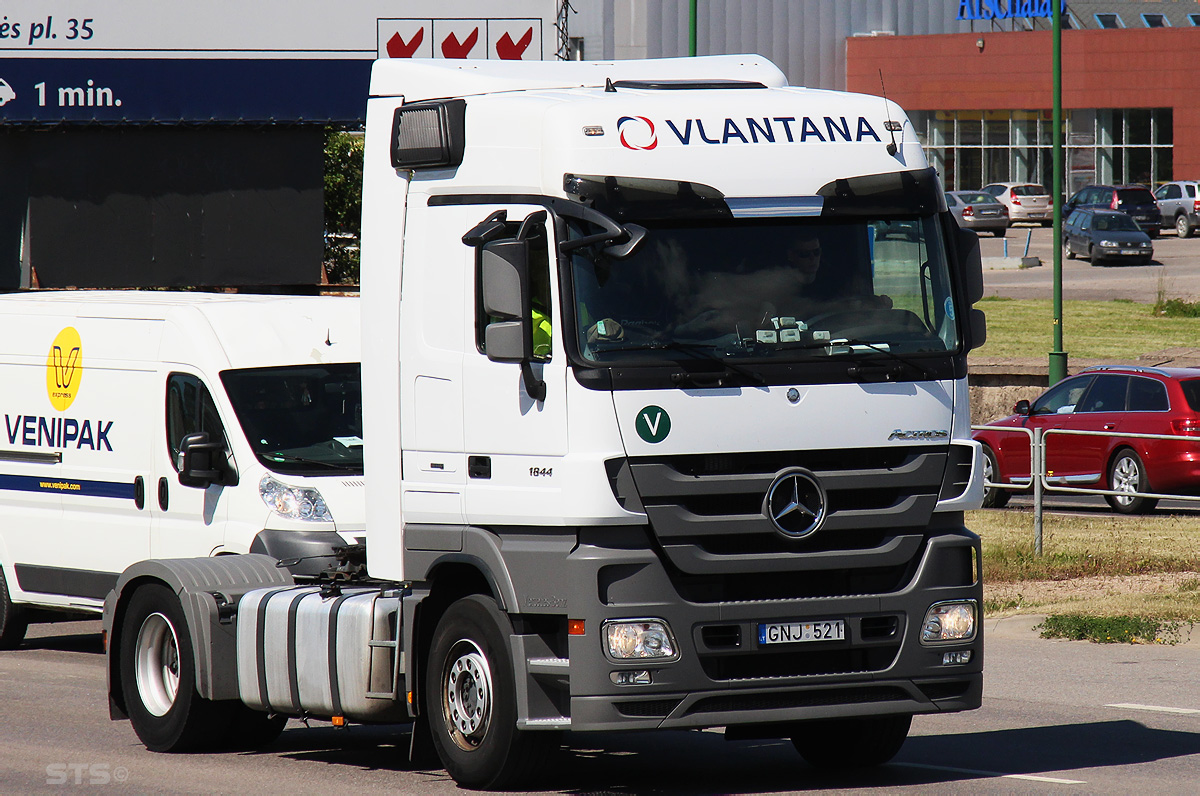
pixel 164 425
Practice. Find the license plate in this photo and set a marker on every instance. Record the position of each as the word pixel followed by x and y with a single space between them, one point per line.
pixel 794 632
pixel 1131 251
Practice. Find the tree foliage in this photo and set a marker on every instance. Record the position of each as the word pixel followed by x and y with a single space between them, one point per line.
pixel 343 204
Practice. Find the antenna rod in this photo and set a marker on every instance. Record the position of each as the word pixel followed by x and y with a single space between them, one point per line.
pixel 891 148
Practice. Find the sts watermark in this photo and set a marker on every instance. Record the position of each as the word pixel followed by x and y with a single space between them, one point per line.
pixel 85 774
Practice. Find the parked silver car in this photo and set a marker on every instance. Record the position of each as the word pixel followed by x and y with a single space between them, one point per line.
pixel 1179 203
pixel 1026 201
pixel 978 211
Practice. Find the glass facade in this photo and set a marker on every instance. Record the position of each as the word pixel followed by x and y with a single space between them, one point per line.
pixel 971 149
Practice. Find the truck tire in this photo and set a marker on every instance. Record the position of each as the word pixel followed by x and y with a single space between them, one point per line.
pixel 994 497
pixel 13 620
pixel 851 743
pixel 1128 474
pixel 158 677
pixel 470 699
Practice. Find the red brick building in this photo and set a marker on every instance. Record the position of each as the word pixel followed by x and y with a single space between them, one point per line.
pixel 981 101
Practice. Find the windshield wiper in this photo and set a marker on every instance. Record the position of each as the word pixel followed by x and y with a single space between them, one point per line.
pixel 706 350
pixel 869 374
pixel 287 457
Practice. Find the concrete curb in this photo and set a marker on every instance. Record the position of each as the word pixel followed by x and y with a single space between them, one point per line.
pixel 1025 627
pixel 1000 263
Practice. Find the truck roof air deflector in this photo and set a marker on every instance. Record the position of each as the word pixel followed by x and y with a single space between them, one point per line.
pixel 685 85
pixel 429 135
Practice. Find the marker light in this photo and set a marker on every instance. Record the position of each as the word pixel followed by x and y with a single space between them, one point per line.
pixel 642 638
pixel 293 502
pixel 949 621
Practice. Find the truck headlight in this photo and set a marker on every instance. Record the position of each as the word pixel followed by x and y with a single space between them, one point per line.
pixel 293 502
pixel 639 639
pixel 949 621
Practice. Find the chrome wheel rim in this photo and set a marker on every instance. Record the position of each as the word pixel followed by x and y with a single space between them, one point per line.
pixel 1126 476
pixel 467 694
pixel 1181 227
pixel 156 666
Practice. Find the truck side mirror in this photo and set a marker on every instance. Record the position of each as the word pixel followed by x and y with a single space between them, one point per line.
pixel 505 277
pixel 201 461
pixel 970 266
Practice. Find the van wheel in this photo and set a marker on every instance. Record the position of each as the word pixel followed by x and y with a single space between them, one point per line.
pixel 1127 474
pixel 470 699
pixel 158 677
pixel 993 497
pixel 851 743
pixel 13 620
pixel 1183 227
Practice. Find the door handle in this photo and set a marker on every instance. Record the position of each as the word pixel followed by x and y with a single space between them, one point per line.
pixel 1109 426
pixel 139 493
pixel 162 493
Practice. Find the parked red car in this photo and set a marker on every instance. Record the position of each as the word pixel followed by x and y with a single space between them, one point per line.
pixel 1126 400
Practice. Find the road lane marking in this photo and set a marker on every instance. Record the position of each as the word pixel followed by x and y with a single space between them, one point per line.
pixel 1154 708
pixel 974 773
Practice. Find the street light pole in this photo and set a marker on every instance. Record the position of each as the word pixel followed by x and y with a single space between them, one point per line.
pixel 1058 357
pixel 692 28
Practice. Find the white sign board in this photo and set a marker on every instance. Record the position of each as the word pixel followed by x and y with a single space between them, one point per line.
pixel 239 60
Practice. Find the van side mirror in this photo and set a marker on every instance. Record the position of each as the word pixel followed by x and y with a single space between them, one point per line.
pixel 201 461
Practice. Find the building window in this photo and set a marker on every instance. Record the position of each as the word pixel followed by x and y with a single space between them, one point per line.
pixel 1109 21
pixel 971 149
pixel 1155 21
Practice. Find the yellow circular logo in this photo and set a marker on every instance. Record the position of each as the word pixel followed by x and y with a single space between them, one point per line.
pixel 64 368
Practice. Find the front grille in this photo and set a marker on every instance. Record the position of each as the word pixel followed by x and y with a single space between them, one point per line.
pixel 797 699
pixel 706 510
pixel 796 663
pixel 761 586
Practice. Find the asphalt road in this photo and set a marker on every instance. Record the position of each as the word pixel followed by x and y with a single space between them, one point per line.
pixel 1058 717
pixel 1175 270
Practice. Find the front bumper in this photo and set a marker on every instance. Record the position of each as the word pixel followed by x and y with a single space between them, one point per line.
pixel 723 677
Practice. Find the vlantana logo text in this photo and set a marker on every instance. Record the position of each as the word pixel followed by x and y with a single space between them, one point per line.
pixel 639 133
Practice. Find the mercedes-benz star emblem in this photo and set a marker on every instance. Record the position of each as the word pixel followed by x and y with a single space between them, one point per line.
pixel 795 503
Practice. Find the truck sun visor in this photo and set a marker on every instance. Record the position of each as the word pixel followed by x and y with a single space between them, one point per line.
pixel 429 135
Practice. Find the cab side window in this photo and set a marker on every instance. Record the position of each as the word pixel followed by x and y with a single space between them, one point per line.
pixel 539 285
pixel 190 409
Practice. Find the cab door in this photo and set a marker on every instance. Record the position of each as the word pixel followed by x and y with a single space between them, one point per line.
pixel 515 413
pixel 188 521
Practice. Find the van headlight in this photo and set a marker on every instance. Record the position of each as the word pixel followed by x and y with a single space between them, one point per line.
pixel 293 502
pixel 949 621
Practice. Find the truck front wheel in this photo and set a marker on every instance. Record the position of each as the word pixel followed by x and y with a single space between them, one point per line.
pixel 851 743
pixel 158 676
pixel 470 698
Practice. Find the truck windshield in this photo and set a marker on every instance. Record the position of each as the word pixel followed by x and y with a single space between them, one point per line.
pixel 302 420
pixel 768 290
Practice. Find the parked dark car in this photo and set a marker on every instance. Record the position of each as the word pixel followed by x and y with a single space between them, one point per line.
pixel 1135 200
pixel 1132 400
pixel 1105 235
pixel 1179 203
pixel 979 211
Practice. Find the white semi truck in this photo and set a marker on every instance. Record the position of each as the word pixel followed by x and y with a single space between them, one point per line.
pixel 667 427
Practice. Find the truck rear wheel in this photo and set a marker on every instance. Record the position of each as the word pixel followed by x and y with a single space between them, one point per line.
pixel 13 621
pixel 470 699
pixel 158 677
pixel 851 743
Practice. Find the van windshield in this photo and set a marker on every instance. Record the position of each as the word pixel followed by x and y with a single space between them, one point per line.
pixel 302 419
